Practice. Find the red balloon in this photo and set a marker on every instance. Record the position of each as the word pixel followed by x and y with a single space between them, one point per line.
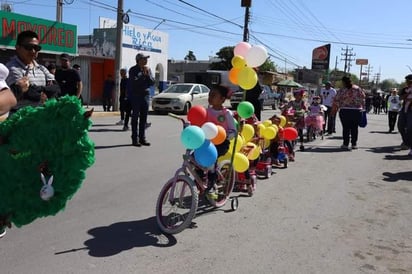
pixel 290 133
pixel 197 115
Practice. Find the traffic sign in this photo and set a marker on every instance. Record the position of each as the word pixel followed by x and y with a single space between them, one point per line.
pixel 361 61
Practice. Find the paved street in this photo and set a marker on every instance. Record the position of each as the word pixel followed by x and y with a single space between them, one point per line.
pixel 330 211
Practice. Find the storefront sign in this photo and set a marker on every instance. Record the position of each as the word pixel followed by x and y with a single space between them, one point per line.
pixel 55 37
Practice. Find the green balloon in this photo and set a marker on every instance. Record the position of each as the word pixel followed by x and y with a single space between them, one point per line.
pixel 245 109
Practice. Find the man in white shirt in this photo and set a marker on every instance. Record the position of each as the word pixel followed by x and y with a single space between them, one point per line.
pixel 327 94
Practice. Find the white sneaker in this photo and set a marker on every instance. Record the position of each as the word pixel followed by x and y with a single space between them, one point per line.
pixel 2 233
pixel 120 122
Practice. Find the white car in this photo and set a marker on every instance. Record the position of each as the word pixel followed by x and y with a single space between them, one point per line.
pixel 180 98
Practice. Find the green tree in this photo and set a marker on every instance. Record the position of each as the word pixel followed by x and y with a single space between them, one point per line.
pixel 190 56
pixel 387 84
pixel 268 65
pixel 225 56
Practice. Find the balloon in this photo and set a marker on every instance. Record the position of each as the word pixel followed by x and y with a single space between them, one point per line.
pixel 245 109
pixel 197 115
pixel 192 137
pixel 256 56
pixel 238 61
pixel 241 49
pixel 254 152
pixel 220 137
pixel 210 130
pixel 234 75
pixel 269 133
pixel 267 123
pixel 239 144
pixel 247 78
pixel 290 133
pixel 240 162
pixel 227 156
pixel 247 132
pixel 206 155
pixel 261 128
pixel 282 120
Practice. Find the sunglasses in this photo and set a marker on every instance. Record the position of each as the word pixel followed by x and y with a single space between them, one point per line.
pixel 30 47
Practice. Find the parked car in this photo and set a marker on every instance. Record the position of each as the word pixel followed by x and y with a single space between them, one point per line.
pixel 267 97
pixel 180 98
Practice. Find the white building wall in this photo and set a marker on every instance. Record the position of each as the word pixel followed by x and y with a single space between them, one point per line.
pixel 149 42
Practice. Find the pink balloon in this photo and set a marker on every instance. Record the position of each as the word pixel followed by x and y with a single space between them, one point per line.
pixel 242 48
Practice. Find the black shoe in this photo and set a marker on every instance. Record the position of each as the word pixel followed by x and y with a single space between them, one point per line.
pixel 125 128
pixel 148 124
pixel 145 143
pixel 136 144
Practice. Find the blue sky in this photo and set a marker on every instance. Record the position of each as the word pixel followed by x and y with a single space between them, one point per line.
pixel 375 30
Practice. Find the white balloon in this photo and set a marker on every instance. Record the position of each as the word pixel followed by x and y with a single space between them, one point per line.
pixel 256 56
pixel 210 130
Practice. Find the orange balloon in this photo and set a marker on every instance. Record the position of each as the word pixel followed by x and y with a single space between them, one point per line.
pixel 220 137
pixel 233 75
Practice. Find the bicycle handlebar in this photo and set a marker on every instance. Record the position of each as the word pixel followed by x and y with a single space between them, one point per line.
pixel 185 123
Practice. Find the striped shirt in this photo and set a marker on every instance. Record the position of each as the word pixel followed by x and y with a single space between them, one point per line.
pixel 38 74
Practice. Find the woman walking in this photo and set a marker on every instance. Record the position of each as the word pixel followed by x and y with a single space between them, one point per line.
pixel 350 100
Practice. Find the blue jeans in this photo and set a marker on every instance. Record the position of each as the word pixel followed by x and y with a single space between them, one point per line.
pixel 140 109
pixel 405 127
pixel 350 119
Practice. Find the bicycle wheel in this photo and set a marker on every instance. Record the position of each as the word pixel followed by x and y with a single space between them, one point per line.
pixel 177 204
pixel 225 183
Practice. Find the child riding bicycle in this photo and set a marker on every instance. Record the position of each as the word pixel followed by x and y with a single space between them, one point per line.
pixel 219 115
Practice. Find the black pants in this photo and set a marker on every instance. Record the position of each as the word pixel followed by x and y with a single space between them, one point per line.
pixel 350 119
pixel 140 110
pixel 392 116
pixel 405 127
pixel 329 121
pixel 125 110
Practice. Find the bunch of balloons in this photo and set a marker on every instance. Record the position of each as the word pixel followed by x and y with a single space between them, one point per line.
pixel 202 136
pixel 246 58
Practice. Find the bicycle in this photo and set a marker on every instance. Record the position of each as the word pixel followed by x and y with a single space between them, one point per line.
pixel 178 200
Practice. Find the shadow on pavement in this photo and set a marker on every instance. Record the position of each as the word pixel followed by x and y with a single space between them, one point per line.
pixel 118 237
pixel 393 177
pixel 323 149
pixel 398 157
pixel 380 132
pixel 388 149
pixel 112 146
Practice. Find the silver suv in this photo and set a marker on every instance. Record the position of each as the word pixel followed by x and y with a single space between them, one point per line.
pixel 267 97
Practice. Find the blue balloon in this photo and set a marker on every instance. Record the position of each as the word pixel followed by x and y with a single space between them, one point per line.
pixel 192 137
pixel 206 155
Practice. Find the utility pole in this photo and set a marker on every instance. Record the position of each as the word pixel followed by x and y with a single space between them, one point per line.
pixel 118 54
pixel 246 4
pixel 59 11
pixel 348 59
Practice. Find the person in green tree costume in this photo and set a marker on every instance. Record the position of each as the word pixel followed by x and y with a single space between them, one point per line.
pixel 44 154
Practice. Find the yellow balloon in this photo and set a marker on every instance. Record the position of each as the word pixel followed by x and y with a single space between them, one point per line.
pixel 240 162
pixel 275 127
pixel 267 123
pixel 282 120
pixel 238 61
pixel 227 156
pixel 247 78
pixel 266 143
pixel 247 132
pixel 255 152
pixel 261 127
pixel 239 144
pixel 269 133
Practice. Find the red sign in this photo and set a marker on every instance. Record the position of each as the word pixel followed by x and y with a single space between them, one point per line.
pixel 320 57
pixel 361 61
